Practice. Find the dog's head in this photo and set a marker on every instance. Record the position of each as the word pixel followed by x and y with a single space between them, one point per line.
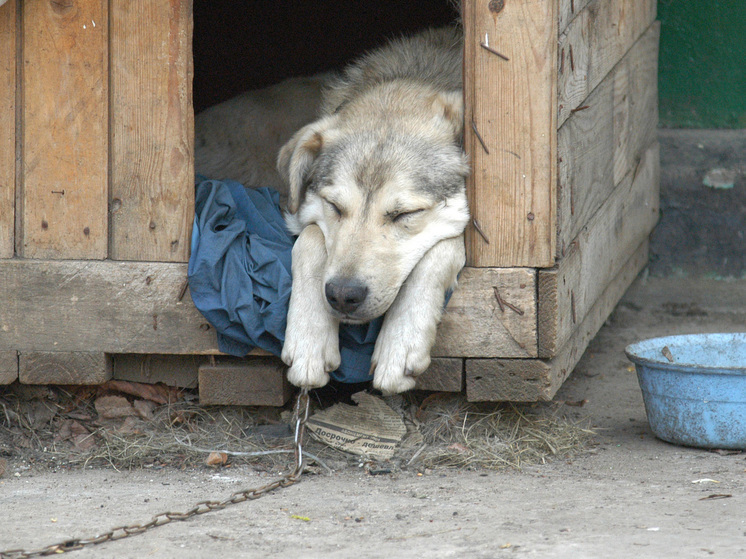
pixel 384 179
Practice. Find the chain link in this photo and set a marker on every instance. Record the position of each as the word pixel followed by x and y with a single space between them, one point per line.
pixel 203 507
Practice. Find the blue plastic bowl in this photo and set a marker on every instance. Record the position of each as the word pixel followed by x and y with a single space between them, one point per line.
pixel 694 388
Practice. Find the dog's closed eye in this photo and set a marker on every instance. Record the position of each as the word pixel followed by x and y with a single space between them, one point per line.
pixel 335 208
pixel 403 215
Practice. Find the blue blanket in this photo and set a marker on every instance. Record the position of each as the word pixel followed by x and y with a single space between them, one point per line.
pixel 240 279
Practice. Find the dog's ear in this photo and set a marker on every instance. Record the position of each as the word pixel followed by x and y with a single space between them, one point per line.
pixel 295 158
pixel 449 106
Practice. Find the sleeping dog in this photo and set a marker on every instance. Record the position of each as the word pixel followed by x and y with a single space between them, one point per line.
pixel 374 189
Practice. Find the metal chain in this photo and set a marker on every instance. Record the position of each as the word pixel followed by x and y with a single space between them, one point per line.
pixel 121 532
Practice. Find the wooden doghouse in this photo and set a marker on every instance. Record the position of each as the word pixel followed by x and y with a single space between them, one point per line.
pixel 97 190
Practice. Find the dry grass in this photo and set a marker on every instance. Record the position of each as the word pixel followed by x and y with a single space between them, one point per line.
pixel 460 434
pixel 444 431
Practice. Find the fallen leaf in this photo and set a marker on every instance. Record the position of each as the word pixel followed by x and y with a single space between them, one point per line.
pixel 84 442
pixel 216 459
pixel 667 354
pixel 158 393
pixel 40 413
pixel 144 408
pixel 303 518
pixel 130 426
pixel 112 407
pixel 3 466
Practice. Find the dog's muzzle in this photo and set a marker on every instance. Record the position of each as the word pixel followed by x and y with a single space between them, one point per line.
pixel 345 295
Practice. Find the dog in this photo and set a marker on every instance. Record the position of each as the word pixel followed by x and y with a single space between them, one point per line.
pixel 376 194
pixel 239 139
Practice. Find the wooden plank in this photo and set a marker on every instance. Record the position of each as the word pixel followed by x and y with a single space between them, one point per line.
pixel 259 381
pixel 8 367
pixel 568 9
pixel 141 307
pixel 513 107
pixel 444 374
pixel 106 306
pixel 568 291
pixel 8 127
pixel 598 146
pixel 528 380
pixel 593 43
pixel 59 367
pixel 475 324
pixel 65 129
pixel 152 130
pixel 173 370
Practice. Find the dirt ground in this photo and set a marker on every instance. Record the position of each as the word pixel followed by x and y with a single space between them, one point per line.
pixel 628 494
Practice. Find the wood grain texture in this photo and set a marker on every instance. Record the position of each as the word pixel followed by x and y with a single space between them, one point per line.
pixel 152 191
pixel 135 307
pixel 65 129
pixel 524 380
pixel 476 326
pixel 593 43
pixel 259 381
pixel 444 374
pixel 104 306
pixel 568 10
pixel 8 367
pixel 8 128
pixel 598 146
pixel 568 291
pixel 60 367
pixel 173 370
pixel 513 107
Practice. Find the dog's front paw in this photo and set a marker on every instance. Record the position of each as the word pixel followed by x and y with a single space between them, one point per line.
pixel 397 360
pixel 311 358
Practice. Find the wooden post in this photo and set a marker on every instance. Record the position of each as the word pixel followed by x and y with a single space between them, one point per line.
pixel 152 198
pixel 65 129
pixel 510 55
pixel 7 127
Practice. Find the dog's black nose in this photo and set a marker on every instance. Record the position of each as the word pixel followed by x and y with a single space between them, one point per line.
pixel 344 295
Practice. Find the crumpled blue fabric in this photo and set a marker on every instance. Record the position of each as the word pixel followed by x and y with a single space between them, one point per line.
pixel 240 276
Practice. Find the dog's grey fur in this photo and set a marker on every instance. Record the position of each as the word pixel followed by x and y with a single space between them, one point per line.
pixel 376 192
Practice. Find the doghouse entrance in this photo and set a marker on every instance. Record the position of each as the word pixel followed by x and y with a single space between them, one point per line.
pixel 240 46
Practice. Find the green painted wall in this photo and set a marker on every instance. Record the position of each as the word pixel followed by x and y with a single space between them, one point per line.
pixel 702 70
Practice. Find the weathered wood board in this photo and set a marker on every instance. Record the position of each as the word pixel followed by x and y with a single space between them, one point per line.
pixel 475 324
pixel 8 367
pixel 142 307
pixel 593 42
pixel 152 152
pixel 445 374
pixel 538 379
pixel 60 367
pixel 65 130
pixel 569 291
pixel 568 10
pixel 598 146
pixel 106 306
pixel 8 128
pixel 244 382
pixel 510 131
pixel 174 370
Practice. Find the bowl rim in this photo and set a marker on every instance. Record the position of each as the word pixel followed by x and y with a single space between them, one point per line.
pixel 632 353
